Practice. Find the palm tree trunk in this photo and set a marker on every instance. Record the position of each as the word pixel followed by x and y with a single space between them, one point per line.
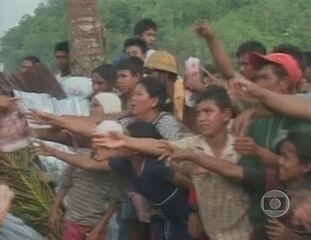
pixel 86 36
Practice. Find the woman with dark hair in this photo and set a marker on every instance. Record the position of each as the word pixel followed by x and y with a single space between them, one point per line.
pixel 147 105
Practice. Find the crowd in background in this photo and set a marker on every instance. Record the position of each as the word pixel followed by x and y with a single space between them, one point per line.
pixel 170 155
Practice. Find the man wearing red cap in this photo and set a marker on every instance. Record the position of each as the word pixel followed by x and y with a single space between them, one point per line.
pixel 280 73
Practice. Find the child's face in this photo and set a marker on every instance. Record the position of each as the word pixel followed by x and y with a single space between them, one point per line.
pixel 149 37
pixel 291 168
pixel 135 51
pixel 99 84
pixel 96 108
pixel 126 81
pixel 210 119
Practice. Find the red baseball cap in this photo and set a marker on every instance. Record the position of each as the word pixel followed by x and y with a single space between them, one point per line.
pixel 286 61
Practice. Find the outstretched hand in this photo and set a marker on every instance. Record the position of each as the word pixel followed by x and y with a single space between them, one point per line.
pixel 7 102
pixel 39 148
pixel 204 30
pixel 112 140
pixel 243 89
pixel 39 117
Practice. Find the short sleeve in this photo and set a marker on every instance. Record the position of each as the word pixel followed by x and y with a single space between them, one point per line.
pixel 66 177
pixel 120 165
pixel 169 127
pixel 254 179
pixel 161 171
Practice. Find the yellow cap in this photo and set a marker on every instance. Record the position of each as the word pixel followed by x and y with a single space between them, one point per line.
pixel 163 61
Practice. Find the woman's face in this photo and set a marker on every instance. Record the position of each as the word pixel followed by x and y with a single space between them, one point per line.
pixel 99 84
pixel 96 108
pixel 291 169
pixel 141 102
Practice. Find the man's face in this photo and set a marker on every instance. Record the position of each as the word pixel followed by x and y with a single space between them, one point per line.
pixel 149 37
pixel 135 51
pixel 210 119
pixel 62 60
pixel 246 69
pixel 27 65
pixel 266 78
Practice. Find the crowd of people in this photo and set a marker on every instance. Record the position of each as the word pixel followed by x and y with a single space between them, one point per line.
pixel 171 155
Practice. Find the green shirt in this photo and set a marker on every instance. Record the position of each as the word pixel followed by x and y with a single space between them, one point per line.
pixel 268 132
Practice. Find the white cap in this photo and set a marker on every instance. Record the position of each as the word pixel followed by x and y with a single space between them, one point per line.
pixel 109 101
pixel 108 126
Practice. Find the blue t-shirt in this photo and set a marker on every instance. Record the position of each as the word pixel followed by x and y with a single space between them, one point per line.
pixel 154 182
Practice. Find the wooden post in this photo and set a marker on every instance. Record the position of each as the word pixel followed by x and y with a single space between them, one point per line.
pixel 86 36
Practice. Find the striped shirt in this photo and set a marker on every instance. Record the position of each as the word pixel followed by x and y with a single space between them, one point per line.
pixel 89 194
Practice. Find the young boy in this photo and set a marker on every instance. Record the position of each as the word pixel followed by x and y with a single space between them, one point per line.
pixel 135 47
pixel 92 197
pixel 222 203
pixel 129 72
pixel 146 29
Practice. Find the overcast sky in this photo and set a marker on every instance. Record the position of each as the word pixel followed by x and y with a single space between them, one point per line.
pixel 11 12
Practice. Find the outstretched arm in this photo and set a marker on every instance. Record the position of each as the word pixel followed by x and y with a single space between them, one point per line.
pixel 291 105
pixel 79 125
pixel 221 59
pixel 119 140
pixel 72 159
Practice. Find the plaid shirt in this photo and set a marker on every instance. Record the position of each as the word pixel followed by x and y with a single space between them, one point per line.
pixel 223 204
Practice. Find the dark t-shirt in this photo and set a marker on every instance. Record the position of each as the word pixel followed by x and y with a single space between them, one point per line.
pixel 154 182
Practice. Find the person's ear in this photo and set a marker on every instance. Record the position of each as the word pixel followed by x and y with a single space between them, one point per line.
pixel 227 114
pixel 154 102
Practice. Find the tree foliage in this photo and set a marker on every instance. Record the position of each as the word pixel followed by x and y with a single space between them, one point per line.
pixel 270 21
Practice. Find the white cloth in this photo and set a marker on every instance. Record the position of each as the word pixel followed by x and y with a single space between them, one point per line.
pixel 107 126
pixel 109 101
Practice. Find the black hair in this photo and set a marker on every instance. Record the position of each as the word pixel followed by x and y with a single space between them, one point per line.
pixel 133 64
pixel 106 71
pixel 144 25
pixel 135 42
pixel 140 129
pixel 250 46
pixel 302 142
pixel 218 94
pixel 293 51
pixel 307 58
pixel 62 46
pixel 155 88
pixel 32 59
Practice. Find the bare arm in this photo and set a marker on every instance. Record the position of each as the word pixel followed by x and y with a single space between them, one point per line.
pixel 219 166
pixel 52 135
pixel 290 105
pixel 181 181
pixel 247 146
pixel 219 55
pixel 118 140
pixel 72 159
